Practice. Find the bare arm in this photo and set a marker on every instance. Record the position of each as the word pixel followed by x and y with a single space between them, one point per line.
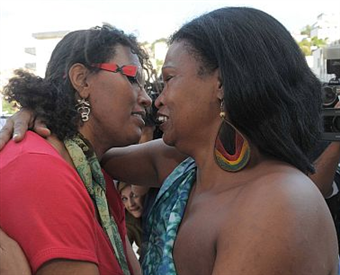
pixel 325 168
pixel 65 267
pixel 13 261
pixel 132 258
pixel 12 258
pixel 145 164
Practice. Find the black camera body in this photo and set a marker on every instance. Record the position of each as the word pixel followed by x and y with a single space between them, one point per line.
pixel 331 96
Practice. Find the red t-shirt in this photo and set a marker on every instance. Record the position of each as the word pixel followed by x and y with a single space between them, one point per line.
pixel 45 207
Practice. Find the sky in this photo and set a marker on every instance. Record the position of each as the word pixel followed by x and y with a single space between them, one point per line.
pixel 149 19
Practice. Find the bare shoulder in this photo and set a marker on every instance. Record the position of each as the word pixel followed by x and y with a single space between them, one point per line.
pixel 279 224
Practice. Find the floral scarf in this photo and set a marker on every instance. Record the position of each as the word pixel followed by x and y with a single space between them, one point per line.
pixel 89 170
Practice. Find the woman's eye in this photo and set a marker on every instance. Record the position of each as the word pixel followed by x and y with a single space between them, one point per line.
pixel 124 199
pixel 132 80
pixel 167 78
pixel 136 81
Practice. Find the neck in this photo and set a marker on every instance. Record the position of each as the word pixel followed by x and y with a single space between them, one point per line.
pixel 60 147
pixel 96 147
pixel 210 174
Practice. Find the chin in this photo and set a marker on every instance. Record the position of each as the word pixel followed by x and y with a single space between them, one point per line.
pixel 167 140
pixel 137 215
pixel 133 138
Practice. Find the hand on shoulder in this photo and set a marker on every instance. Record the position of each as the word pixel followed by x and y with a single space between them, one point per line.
pixel 17 125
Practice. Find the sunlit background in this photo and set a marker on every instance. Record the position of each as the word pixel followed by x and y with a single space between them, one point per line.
pixel 30 29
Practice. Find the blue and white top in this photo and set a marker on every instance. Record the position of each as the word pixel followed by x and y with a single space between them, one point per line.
pixel 165 217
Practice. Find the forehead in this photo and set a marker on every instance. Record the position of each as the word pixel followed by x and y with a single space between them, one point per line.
pixel 126 190
pixel 179 55
pixel 124 56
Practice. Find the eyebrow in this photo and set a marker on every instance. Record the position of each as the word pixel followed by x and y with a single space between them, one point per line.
pixel 167 66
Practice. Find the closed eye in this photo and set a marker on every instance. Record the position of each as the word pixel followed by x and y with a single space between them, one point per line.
pixel 132 80
pixel 166 79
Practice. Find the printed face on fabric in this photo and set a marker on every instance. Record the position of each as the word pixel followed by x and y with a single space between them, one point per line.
pixel 118 102
pixel 132 202
pixel 188 105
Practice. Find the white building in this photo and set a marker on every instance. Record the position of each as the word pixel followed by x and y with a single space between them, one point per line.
pixel 45 43
pixel 327 26
pixel 32 55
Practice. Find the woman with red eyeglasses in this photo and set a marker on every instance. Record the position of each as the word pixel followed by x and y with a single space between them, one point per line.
pixel 240 100
pixel 55 200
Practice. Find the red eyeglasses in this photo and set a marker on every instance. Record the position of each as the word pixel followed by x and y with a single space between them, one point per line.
pixel 130 71
pixel 127 70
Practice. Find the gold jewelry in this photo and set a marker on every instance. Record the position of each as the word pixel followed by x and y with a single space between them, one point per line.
pixel 222 113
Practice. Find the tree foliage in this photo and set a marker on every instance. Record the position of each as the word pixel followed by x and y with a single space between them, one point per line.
pixel 309 44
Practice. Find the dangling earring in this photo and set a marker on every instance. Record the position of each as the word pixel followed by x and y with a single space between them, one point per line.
pixel 232 151
pixel 83 108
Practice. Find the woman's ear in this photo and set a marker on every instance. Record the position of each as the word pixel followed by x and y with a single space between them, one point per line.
pixel 220 92
pixel 78 74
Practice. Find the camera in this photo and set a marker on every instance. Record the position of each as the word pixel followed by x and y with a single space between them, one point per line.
pixel 331 96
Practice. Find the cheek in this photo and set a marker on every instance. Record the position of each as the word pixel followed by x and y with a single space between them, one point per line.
pixel 116 108
pixel 139 202
pixel 113 94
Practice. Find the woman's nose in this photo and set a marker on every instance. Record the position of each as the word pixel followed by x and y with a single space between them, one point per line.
pixel 131 202
pixel 158 101
pixel 144 99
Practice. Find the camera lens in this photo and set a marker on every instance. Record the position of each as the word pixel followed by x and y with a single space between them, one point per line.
pixel 329 96
pixel 336 124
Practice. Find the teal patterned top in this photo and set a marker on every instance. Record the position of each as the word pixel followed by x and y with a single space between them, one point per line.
pixel 165 217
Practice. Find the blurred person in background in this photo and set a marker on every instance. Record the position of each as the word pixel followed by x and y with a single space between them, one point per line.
pixel 133 215
pixel 327 176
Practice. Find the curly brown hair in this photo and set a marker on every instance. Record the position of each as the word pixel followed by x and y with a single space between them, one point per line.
pixel 53 98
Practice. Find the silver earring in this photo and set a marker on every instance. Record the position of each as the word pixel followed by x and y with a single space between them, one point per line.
pixel 83 108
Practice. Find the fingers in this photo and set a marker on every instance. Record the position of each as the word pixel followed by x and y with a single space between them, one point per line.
pixel 6 132
pixel 19 130
pixel 17 125
pixel 41 129
pixel 22 121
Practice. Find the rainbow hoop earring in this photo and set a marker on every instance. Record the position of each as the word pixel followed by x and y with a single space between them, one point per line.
pixel 232 151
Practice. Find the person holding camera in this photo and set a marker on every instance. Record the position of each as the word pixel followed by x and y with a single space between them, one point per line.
pixel 327 177
pixel 327 164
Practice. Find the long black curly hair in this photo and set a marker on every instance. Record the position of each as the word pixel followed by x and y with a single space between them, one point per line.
pixel 53 98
